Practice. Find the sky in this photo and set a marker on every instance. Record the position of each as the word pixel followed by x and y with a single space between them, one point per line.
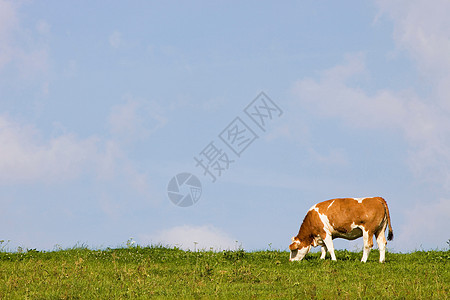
pixel 103 103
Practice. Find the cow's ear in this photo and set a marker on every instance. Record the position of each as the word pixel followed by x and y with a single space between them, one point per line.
pixel 293 238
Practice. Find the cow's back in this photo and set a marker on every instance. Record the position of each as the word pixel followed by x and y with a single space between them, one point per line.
pixel 344 213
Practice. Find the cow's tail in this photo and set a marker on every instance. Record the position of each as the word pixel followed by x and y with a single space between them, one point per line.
pixel 390 236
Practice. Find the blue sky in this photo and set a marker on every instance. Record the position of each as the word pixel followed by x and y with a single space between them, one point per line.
pixel 102 103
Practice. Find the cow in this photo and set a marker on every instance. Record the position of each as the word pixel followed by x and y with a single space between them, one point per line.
pixel 348 218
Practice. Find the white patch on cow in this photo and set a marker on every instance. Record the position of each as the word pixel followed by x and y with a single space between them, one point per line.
pixel 360 200
pixel 367 248
pixel 326 223
pixel 323 249
pixel 381 241
pixel 298 254
pixel 330 204
pixel 313 207
pixel 329 244
pixel 328 241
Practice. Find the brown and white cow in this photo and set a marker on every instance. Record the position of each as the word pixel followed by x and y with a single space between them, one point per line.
pixel 348 218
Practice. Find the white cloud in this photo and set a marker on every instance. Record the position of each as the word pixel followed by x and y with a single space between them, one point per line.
pixel 331 96
pixel 8 21
pixel 204 237
pixel 136 119
pixel 24 50
pixel 25 156
pixel 423 31
pixel 32 64
pixel 71 68
pixel 425 224
pixel 43 27
pixel 115 39
pixel 28 157
pixel 424 125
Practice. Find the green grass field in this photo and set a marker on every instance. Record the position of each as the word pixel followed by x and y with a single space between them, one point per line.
pixel 144 272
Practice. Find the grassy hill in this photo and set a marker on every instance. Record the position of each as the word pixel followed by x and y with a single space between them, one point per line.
pixel 144 272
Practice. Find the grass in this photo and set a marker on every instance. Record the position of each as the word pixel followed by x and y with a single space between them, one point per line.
pixel 143 272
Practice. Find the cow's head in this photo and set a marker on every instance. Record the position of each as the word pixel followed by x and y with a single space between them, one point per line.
pixel 298 249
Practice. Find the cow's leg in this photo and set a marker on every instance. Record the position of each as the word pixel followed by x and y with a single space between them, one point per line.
pixel 381 241
pixel 329 245
pixel 324 251
pixel 368 244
